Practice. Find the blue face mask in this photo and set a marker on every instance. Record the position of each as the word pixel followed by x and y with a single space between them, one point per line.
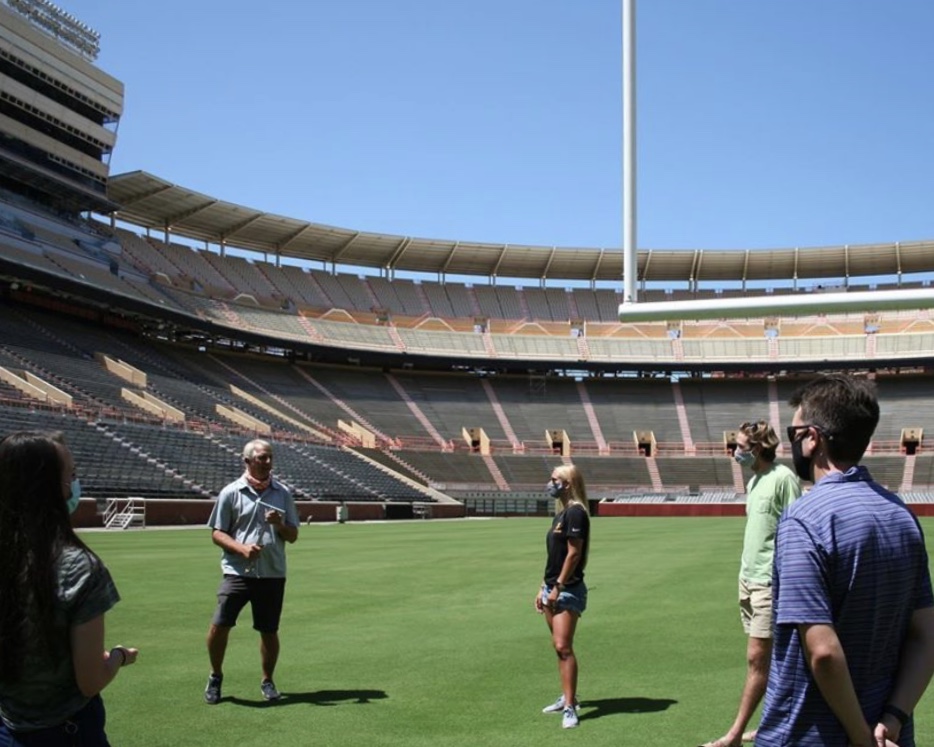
pixel 554 489
pixel 75 497
pixel 744 458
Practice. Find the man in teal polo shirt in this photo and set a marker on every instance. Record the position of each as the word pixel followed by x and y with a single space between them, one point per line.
pixel 770 490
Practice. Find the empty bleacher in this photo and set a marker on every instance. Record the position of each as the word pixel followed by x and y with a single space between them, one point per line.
pixel 535 404
pixel 713 408
pixel 107 466
pixel 452 403
pixel 125 451
pixel 626 405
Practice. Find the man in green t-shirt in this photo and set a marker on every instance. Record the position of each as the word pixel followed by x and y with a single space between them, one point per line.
pixel 770 490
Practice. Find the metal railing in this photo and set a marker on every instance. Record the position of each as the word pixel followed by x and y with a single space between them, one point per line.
pixel 125 513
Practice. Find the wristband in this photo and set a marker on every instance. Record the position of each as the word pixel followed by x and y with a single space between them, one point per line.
pixel 119 650
pixel 897 712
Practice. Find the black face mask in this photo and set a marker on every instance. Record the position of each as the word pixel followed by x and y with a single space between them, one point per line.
pixel 801 462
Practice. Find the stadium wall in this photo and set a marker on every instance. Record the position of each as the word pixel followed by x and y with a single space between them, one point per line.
pixel 708 509
pixel 190 513
pixel 671 509
pixel 197 512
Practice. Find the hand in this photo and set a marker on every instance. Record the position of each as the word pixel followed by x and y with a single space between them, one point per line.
pixel 539 607
pixel 552 600
pixel 273 517
pixel 887 731
pixel 252 551
pixel 129 654
pixel 882 735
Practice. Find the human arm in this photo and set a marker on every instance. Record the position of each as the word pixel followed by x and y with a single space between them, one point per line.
pixel 575 552
pixel 916 666
pixel 283 520
pixel 787 491
pixel 224 519
pixel 827 662
pixel 288 532
pixel 94 667
pixel 791 490
pixel 229 544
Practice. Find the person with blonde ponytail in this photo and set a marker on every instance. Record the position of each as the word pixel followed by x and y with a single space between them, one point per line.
pixel 562 597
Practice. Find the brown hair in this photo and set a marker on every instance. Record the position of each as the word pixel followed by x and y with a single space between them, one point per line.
pixel 845 409
pixel 34 529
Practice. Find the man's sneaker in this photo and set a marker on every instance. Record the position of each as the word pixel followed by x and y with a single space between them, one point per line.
pixel 558 706
pixel 212 693
pixel 269 690
pixel 569 719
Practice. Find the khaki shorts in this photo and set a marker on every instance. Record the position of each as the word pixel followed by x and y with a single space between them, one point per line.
pixel 755 609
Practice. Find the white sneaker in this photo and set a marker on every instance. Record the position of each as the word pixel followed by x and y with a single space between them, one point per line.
pixel 269 690
pixel 570 720
pixel 558 706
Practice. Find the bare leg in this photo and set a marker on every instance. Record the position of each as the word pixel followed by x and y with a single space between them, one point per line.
pixel 217 647
pixel 563 624
pixel 269 653
pixel 758 654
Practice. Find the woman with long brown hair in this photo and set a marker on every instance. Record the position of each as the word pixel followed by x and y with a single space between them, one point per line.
pixel 54 592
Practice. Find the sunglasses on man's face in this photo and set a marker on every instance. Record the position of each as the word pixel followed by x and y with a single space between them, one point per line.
pixel 792 431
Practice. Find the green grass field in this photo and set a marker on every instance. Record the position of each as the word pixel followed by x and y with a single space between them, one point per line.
pixel 423 633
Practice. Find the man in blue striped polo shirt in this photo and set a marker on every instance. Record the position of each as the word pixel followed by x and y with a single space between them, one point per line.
pixel 854 612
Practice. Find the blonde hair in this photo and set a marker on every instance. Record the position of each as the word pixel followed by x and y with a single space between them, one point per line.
pixel 763 435
pixel 577 492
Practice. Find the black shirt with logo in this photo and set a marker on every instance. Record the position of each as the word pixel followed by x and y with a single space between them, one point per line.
pixel 572 523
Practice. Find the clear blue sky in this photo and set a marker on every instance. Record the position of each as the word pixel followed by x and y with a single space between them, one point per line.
pixel 761 123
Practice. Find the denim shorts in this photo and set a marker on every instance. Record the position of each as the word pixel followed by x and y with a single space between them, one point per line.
pixel 573 598
pixel 84 729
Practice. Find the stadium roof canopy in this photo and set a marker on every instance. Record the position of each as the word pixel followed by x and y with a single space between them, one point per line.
pixel 150 202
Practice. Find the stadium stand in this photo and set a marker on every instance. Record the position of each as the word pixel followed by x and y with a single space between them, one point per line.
pixel 424 410
pixel 378 387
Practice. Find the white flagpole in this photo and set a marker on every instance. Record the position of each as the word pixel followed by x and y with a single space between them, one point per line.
pixel 630 248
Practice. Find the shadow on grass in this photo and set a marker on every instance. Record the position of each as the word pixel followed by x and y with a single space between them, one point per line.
pixel 318 697
pixel 610 706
